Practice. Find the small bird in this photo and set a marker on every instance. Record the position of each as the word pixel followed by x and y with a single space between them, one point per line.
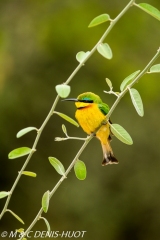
pixel 90 113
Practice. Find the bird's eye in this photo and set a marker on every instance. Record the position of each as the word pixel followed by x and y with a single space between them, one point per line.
pixel 88 101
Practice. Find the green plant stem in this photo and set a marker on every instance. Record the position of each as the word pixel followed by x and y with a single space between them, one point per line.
pixel 113 22
pixel 29 156
pixel 69 138
pixel 144 71
pixel 38 216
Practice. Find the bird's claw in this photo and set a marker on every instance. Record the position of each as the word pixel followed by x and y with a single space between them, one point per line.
pixel 104 122
pixel 93 134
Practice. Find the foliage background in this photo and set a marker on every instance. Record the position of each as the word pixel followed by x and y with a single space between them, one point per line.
pixel 38 44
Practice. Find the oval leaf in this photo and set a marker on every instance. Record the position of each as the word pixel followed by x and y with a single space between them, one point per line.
pixel 128 80
pixel 80 170
pixel 121 134
pixel 16 216
pixel 68 119
pixel 63 90
pixel 155 68
pixel 99 20
pixel 154 12
pixel 25 130
pixel 105 50
pixel 47 224
pixel 45 201
pixel 57 165
pixel 81 56
pixel 108 81
pixel 137 101
pixel 64 129
pixel 19 152
pixel 30 174
pixel 4 194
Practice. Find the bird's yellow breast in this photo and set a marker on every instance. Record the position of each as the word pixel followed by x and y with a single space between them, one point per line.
pixel 89 116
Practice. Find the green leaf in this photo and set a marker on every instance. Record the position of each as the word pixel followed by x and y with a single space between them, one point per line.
pixel 80 170
pixel 57 165
pixel 137 101
pixel 128 80
pixel 63 90
pixel 15 215
pixel 99 20
pixel 155 68
pixel 68 119
pixel 4 194
pixel 25 130
pixel 45 201
pixel 19 152
pixel 81 56
pixel 108 81
pixel 64 129
pixel 105 50
pixel 47 224
pixel 154 12
pixel 121 134
pixel 30 174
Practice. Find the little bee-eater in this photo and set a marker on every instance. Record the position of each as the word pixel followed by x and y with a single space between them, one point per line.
pixel 90 113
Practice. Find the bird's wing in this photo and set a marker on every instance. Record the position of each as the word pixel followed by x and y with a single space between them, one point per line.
pixel 104 108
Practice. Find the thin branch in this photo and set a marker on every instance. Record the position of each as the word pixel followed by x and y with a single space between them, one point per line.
pixel 30 155
pixel 144 71
pixel 59 183
pixel 112 23
pixel 58 139
pixel 112 92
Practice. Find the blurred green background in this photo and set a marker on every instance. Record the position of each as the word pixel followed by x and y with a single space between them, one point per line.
pixel 38 44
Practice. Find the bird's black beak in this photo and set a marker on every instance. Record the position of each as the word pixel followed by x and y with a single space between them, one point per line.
pixel 70 99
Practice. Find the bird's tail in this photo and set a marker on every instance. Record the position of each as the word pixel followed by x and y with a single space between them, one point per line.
pixel 109 157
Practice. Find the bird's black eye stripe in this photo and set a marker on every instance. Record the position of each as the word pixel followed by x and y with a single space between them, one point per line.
pixel 86 101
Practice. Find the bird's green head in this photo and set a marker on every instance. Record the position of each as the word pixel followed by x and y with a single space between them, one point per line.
pixel 85 99
pixel 89 99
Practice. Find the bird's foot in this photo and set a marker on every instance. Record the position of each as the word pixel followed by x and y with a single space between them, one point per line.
pixel 104 122
pixel 93 134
